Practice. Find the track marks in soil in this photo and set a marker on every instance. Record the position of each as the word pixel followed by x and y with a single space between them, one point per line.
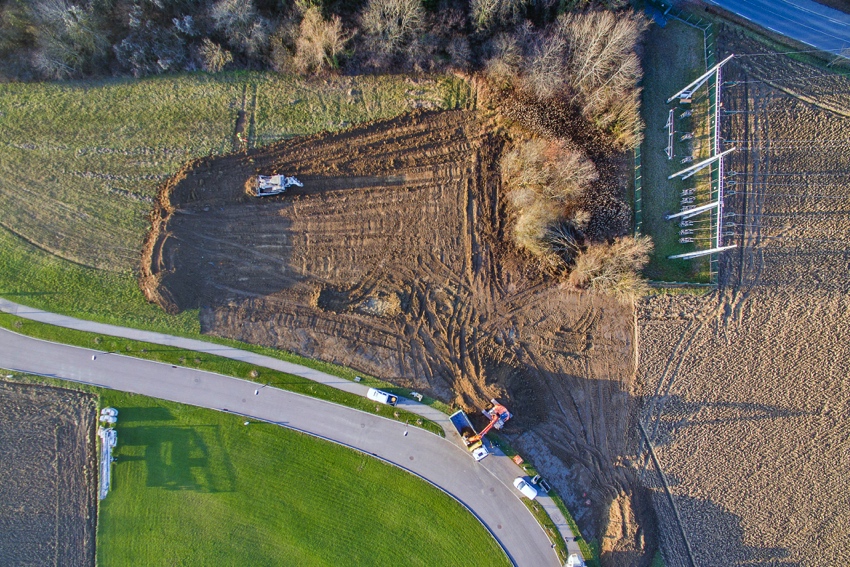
pixel 48 476
pixel 393 259
pixel 743 385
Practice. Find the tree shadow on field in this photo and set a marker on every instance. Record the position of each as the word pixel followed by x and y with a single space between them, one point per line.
pixel 714 535
pixel 182 458
pixel 672 414
pixel 133 414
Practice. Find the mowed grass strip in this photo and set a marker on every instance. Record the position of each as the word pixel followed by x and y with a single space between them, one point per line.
pixel 80 162
pixel 673 56
pixel 197 487
pixel 210 363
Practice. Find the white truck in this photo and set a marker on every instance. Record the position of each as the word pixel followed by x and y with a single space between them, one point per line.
pixel 265 185
pixel 382 397
pixel 471 439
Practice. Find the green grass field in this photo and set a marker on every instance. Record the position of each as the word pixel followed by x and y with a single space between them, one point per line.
pixel 196 487
pixel 674 56
pixel 81 162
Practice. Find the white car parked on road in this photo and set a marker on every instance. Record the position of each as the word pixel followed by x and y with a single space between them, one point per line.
pixel 526 489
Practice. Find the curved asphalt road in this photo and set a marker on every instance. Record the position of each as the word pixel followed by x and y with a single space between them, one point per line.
pixel 500 468
pixel 804 20
pixel 487 493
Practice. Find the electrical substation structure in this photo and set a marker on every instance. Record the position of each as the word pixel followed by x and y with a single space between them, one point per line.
pixel 690 208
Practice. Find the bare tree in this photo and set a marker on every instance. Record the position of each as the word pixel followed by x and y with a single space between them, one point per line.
pixel 238 20
pixel 391 24
pixel 67 37
pixel 603 68
pixel 487 14
pixel 319 43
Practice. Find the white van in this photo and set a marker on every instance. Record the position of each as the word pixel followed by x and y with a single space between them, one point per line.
pixel 382 397
pixel 526 489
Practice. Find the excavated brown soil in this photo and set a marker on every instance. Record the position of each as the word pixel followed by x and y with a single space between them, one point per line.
pixel 749 405
pixel 393 259
pixel 48 476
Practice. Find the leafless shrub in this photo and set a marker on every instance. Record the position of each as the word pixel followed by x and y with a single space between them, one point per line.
pixel 506 59
pixel 487 14
pixel 564 240
pixel 533 222
pixel 67 37
pixel 613 268
pixel 391 24
pixel 319 43
pixel 551 169
pixel 459 52
pixel 213 57
pixel 245 29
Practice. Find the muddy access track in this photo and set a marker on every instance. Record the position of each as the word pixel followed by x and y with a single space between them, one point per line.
pixel 393 259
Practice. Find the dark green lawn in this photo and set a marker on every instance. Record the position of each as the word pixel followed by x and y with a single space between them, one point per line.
pixel 197 487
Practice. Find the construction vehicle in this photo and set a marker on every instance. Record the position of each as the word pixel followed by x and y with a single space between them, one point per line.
pixel 464 428
pixel 266 185
pixel 498 415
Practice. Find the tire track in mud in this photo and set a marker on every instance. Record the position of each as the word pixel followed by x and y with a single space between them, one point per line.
pixel 405 214
pixel 751 428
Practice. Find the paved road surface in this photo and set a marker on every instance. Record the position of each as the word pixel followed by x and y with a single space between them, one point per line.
pixel 497 464
pixel 495 503
pixel 806 21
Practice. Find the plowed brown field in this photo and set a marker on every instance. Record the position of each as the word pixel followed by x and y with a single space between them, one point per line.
pixel 393 259
pixel 749 400
pixel 48 476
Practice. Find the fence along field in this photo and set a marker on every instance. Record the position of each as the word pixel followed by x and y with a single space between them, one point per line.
pixel 80 162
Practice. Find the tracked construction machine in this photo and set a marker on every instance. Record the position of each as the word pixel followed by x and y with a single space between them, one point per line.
pixel 265 185
pixel 498 415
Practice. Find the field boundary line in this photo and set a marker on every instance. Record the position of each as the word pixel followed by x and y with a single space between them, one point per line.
pixel 666 486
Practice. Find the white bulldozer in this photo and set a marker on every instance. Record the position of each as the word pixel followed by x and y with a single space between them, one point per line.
pixel 274 184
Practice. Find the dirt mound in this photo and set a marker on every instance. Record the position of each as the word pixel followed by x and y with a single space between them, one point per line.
pixel 748 398
pixel 393 259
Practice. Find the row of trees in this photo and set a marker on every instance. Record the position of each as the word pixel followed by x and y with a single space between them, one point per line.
pixel 76 38
pixel 570 90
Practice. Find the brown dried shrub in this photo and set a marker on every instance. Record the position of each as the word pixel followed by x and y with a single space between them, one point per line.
pixel 320 42
pixel 613 268
pixel 552 169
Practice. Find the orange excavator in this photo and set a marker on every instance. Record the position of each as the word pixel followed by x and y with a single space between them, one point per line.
pixel 498 415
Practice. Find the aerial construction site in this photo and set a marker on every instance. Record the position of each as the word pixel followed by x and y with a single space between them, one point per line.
pixel 614 240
